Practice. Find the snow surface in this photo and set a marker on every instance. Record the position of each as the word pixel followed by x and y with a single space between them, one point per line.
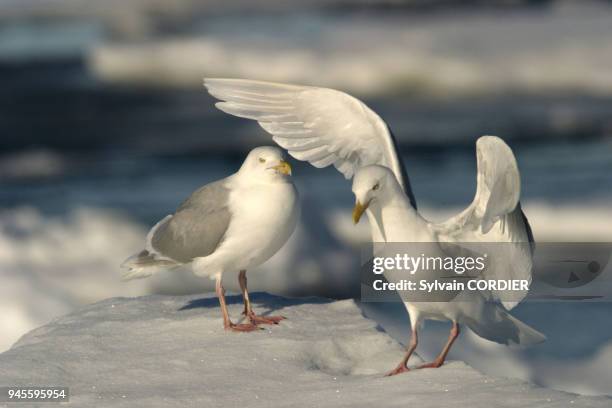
pixel 162 351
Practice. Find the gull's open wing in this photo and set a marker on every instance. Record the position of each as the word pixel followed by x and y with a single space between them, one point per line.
pixel 495 215
pixel 319 125
pixel 498 189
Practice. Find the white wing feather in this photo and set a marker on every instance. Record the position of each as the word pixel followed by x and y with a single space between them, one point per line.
pixel 319 125
pixel 495 215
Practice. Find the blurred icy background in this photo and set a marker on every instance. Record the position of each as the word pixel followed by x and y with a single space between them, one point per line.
pixel 105 128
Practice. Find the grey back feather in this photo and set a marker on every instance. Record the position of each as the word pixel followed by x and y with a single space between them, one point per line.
pixel 198 226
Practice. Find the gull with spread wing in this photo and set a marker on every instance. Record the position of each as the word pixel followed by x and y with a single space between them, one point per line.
pixel 328 127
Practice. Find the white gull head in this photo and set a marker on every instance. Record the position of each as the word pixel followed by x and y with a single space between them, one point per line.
pixel 265 163
pixel 373 186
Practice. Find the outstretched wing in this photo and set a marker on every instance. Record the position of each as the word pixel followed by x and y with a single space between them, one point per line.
pixel 495 216
pixel 319 125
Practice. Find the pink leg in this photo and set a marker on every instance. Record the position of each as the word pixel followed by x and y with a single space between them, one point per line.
pixel 454 333
pixel 227 323
pixel 248 309
pixel 402 367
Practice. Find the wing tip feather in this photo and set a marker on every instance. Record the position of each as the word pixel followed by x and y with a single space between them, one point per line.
pixel 242 83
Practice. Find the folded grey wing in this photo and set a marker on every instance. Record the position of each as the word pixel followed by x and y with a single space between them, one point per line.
pixel 197 228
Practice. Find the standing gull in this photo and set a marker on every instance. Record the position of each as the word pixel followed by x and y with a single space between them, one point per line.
pixel 493 217
pixel 325 127
pixel 233 224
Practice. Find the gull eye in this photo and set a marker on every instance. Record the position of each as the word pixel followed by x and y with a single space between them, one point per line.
pixel 262 160
pixel 376 186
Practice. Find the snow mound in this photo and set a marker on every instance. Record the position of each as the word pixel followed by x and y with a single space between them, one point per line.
pixel 161 351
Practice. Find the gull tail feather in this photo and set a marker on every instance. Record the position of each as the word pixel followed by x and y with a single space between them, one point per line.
pixel 501 327
pixel 145 264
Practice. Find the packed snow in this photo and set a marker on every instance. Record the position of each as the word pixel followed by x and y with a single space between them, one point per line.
pixel 50 265
pixel 162 351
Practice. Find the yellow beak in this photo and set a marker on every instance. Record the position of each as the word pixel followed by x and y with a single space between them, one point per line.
pixel 283 168
pixel 358 211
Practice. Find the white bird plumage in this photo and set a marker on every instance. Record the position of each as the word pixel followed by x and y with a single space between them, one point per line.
pixel 233 224
pixel 326 126
pixel 319 125
pixel 485 312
